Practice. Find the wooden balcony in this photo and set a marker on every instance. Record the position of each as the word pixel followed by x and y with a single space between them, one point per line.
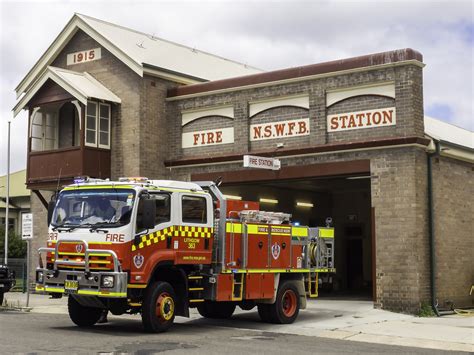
pixel 47 169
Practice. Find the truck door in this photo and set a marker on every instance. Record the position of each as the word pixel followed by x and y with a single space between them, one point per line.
pixel 195 235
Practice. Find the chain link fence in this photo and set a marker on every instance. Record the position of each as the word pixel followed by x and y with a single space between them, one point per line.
pixel 19 266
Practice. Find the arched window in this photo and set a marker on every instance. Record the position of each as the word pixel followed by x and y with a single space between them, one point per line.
pixel 43 130
pixel 68 126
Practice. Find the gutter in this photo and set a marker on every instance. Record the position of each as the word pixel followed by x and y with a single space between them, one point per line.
pixel 431 227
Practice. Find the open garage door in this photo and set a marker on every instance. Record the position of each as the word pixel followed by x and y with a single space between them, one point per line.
pixel 344 196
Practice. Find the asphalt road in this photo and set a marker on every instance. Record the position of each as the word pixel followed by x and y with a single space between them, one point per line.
pixel 54 333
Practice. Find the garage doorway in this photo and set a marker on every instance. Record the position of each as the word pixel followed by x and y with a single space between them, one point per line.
pixel 344 196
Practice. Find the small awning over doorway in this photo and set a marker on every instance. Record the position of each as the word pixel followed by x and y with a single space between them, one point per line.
pixel 82 86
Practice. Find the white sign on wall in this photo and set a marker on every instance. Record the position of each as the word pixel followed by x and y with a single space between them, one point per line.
pixel 27 226
pixel 362 119
pixel 252 161
pixel 84 56
pixel 280 129
pixel 208 138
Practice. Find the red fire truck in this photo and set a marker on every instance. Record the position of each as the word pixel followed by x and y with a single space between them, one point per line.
pixel 159 248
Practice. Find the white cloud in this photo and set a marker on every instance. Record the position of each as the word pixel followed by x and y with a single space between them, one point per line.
pixel 266 34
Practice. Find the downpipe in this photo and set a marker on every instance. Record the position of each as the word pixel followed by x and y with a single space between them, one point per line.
pixel 431 227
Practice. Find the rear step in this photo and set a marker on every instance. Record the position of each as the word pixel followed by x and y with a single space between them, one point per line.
pixel 312 285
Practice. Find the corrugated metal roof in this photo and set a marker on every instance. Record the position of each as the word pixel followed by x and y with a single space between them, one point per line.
pixel 17 185
pixel 82 86
pixel 157 52
pixel 443 131
pixel 86 84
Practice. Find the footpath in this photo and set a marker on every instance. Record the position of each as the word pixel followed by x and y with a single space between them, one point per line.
pixel 349 320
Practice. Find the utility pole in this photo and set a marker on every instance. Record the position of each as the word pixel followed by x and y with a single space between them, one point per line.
pixel 8 194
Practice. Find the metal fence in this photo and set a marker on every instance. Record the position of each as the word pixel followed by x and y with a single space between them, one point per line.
pixel 19 266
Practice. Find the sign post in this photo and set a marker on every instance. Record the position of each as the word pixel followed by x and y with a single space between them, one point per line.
pixel 27 235
pixel 252 161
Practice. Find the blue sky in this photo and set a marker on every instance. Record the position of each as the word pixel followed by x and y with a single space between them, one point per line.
pixel 266 34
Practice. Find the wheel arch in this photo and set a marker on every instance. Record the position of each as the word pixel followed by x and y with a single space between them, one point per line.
pixel 176 277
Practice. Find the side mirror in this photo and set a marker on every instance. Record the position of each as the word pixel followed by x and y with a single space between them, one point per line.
pixel 148 214
pixel 51 205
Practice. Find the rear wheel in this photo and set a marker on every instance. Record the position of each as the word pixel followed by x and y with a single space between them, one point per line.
pixel 81 315
pixel 287 304
pixel 158 309
pixel 218 310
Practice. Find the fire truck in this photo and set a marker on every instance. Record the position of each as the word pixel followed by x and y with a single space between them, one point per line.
pixel 160 247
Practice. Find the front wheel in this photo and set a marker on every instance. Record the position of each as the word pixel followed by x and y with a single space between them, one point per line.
pixel 158 307
pixel 81 315
pixel 287 305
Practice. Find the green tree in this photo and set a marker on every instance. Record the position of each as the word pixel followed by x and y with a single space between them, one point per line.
pixel 16 246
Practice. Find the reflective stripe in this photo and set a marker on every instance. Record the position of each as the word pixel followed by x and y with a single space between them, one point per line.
pixel 299 231
pixel 326 232
pixel 105 243
pixel 101 293
pixel 136 286
pixel 263 271
pixel 233 228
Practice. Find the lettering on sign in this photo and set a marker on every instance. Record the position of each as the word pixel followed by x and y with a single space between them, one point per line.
pixel 362 119
pixel 251 161
pixel 88 55
pixel 280 129
pixel 27 226
pixel 208 137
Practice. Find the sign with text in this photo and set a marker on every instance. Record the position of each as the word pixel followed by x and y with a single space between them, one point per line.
pixel 208 137
pixel 27 226
pixel 84 56
pixel 280 129
pixel 362 119
pixel 252 161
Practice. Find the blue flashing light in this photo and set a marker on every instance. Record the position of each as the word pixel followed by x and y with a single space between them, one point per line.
pixel 80 179
pixel 296 224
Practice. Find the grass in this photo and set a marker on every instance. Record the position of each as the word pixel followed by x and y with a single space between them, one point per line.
pixel 426 310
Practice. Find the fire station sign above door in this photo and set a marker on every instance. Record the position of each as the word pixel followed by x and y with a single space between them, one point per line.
pixel 362 119
pixel 251 161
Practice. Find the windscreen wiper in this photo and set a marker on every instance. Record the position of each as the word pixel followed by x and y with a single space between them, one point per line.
pixel 64 227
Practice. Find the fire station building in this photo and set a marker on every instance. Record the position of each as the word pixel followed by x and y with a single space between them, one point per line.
pixel 345 139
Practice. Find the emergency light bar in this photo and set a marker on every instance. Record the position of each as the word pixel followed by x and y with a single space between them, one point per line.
pixel 140 179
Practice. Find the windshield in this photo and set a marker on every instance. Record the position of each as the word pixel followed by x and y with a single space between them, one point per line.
pixel 87 208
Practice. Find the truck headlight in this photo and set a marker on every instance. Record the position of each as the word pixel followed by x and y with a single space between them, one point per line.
pixel 39 277
pixel 107 281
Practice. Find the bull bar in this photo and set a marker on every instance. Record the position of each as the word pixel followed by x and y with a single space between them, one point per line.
pixel 85 282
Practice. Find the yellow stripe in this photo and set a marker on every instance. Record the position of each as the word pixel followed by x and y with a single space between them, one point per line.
pixel 299 231
pixel 100 293
pixel 81 267
pixel 94 187
pixel 99 254
pixel 54 289
pixel 55 241
pixel 134 304
pixel 194 277
pixel 326 232
pixel 263 271
pixel 233 228
pixel 194 301
pixel 136 286
pixel 197 289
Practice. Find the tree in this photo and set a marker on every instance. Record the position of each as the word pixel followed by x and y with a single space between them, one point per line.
pixel 16 246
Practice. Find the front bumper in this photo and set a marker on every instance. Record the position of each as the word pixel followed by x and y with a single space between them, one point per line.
pixel 81 282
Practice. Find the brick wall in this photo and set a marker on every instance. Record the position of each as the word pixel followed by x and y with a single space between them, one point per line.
pixel 453 200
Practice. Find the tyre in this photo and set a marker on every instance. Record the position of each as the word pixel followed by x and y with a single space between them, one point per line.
pixel 287 304
pixel 1 297
pixel 216 310
pixel 81 315
pixel 158 308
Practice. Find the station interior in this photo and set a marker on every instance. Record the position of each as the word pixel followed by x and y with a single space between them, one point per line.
pixel 347 200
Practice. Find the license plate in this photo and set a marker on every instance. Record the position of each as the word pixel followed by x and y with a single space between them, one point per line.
pixel 71 286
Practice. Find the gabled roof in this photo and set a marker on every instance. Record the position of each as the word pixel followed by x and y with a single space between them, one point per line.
pixel 143 53
pixel 82 86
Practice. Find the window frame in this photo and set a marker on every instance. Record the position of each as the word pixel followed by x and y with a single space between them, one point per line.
pixel 97 130
pixel 205 222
